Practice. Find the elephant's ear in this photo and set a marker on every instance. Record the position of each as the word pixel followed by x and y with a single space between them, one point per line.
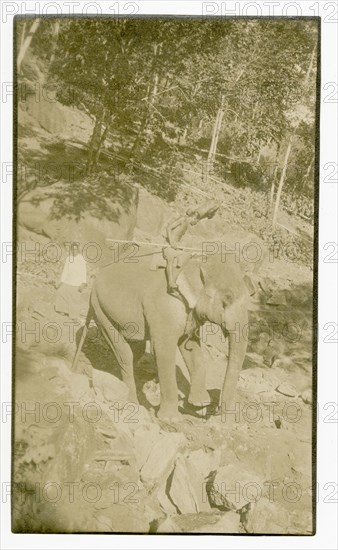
pixel 191 283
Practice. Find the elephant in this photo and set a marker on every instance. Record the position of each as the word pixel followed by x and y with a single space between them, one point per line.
pixel 131 305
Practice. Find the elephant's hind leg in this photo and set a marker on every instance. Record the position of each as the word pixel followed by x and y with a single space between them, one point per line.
pixel 124 357
pixel 119 347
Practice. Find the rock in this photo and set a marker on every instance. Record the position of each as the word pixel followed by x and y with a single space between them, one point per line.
pixel 187 488
pixel 129 417
pixel 144 440
pixel 60 119
pixel 201 523
pixel 162 456
pixel 227 523
pixel 258 342
pixel 266 518
pixel 234 487
pixel 301 462
pixel 125 518
pixel 269 356
pixel 258 380
pixel 307 396
pixel 113 389
pixel 168 526
pixel 228 456
pixel 151 390
pixel 103 524
pixel 277 299
pixel 204 462
pixel 75 447
pixel 252 360
pixel 301 523
pixel 287 389
pixel 62 516
pixel 79 385
pixel 165 503
pixel 115 215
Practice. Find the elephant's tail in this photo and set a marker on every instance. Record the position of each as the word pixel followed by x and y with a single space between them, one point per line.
pixel 90 316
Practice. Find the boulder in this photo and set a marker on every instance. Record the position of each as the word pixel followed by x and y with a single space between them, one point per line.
pixel 123 518
pixel 113 390
pixel 162 456
pixel 144 440
pixel 204 461
pixel 287 389
pixel 187 488
pixel 50 432
pixel 68 122
pixel 90 223
pixel 307 396
pixel 302 523
pixel 234 487
pixel 201 523
pixel 266 518
pixel 151 390
pixel 165 503
pixel 227 523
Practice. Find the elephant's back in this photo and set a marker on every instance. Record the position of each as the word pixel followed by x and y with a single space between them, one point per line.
pixel 131 273
pixel 122 288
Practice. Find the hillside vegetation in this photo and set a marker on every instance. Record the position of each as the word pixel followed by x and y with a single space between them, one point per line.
pixel 232 100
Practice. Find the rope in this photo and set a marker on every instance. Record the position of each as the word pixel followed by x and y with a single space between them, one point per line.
pixel 161 245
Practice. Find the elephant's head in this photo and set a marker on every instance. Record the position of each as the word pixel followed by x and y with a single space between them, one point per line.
pixel 213 286
pixel 219 295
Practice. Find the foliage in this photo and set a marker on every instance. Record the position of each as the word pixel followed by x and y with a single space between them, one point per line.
pixel 168 77
pixel 157 84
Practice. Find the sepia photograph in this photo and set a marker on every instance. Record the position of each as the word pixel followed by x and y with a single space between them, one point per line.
pixel 165 275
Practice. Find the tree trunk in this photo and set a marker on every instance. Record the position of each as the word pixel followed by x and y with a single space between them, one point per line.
pixel 274 177
pixel 289 147
pixel 308 172
pixel 183 137
pixel 95 143
pixel 26 43
pixel 272 190
pixel 281 182
pixel 56 31
pixel 23 35
pixel 100 144
pixel 215 135
pixel 153 90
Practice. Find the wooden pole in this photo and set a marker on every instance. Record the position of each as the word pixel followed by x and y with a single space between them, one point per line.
pixel 26 43
pixel 281 182
pixel 289 147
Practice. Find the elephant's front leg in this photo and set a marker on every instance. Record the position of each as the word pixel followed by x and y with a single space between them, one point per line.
pixel 236 322
pixel 166 319
pixel 165 357
pixel 193 358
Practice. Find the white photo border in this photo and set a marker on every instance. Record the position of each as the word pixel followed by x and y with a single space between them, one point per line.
pixel 326 536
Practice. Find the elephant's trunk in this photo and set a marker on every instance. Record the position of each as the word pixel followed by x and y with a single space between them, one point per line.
pixel 237 351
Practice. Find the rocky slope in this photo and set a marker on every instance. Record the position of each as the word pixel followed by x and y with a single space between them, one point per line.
pixel 87 460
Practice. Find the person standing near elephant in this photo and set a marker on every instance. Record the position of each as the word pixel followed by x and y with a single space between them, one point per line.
pixel 72 281
pixel 175 231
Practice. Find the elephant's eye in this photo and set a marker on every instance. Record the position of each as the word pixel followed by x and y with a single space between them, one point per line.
pixel 227 299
